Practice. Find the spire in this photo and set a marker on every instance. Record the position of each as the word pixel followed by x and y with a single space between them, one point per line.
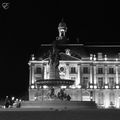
pixel 62 29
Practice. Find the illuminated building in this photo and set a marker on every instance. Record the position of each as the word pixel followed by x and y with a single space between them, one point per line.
pixel 94 68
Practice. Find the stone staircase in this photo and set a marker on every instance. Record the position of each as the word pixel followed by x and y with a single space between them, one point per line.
pixel 57 104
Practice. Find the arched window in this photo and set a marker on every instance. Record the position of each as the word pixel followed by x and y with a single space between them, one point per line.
pixel 38 70
pixel 100 98
pixel 112 98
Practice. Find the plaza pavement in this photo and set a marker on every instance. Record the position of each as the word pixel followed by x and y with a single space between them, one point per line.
pixel 58 114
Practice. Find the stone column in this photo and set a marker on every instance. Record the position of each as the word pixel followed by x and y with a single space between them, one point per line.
pixel 116 74
pixel 95 74
pixel 67 71
pixel 33 69
pixel 91 74
pixel 30 75
pixel 106 74
pixel 45 71
pixel 78 79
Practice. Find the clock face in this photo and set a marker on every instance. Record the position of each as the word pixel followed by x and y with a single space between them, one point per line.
pixel 62 69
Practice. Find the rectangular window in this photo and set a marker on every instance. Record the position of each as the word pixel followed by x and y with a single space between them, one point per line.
pixel 100 82
pixel 100 98
pixel 111 70
pixel 112 98
pixel 73 70
pixel 85 82
pixel 38 70
pixel 118 70
pixel 73 78
pixel 111 82
pixel 100 70
pixel 85 70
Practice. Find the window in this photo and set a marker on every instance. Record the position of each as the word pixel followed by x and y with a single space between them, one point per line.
pixel 100 70
pixel 111 82
pixel 112 98
pixel 118 70
pixel 38 70
pixel 73 70
pixel 85 70
pixel 73 78
pixel 100 98
pixel 111 70
pixel 85 83
pixel 100 82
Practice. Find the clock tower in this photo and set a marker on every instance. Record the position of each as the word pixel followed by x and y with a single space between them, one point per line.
pixel 62 29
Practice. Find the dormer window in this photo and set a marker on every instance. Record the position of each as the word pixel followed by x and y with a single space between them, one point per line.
pixel 38 70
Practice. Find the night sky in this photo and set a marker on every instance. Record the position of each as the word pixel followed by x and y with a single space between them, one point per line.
pixel 26 24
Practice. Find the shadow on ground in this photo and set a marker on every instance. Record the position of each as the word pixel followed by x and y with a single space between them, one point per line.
pixel 60 115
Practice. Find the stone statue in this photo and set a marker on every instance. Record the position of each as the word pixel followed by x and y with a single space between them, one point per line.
pixel 54 63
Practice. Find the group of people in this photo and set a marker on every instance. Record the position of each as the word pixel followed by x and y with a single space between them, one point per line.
pixel 12 102
pixel 63 96
pixel 60 95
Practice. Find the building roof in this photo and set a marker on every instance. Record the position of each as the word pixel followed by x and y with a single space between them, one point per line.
pixel 80 51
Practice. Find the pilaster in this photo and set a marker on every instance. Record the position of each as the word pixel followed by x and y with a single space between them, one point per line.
pixel 30 74
pixel 95 74
pixel 33 69
pixel 106 74
pixel 116 74
pixel 45 71
pixel 67 71
pixel 91 74
pixel 78 79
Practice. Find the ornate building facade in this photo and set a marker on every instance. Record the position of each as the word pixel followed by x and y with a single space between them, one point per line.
pixel 95 70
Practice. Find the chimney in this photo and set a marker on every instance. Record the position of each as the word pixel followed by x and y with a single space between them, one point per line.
pixel 100 57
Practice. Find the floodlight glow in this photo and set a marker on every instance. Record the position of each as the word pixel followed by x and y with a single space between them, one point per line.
pixel 116 59
pixel 117 86
pixel 32 86
pixel 91 86
pixel 105 57
pixel 107 104
pixel 95 86
pixel 78 86
pixel 13 98
pixel 45 86
pixel 63 86
pixel 35 98
pixel 62 30
pixel 106 87
pixel 72 86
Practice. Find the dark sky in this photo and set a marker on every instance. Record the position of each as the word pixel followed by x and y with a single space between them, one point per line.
pixel 28 23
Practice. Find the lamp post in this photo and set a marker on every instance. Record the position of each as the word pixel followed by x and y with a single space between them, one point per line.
pixel 42 90
pixel 91 95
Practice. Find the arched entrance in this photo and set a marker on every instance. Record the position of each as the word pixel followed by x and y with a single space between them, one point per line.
pixel 86 96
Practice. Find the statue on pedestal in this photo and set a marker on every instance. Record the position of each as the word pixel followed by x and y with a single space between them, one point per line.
pixel 54 63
